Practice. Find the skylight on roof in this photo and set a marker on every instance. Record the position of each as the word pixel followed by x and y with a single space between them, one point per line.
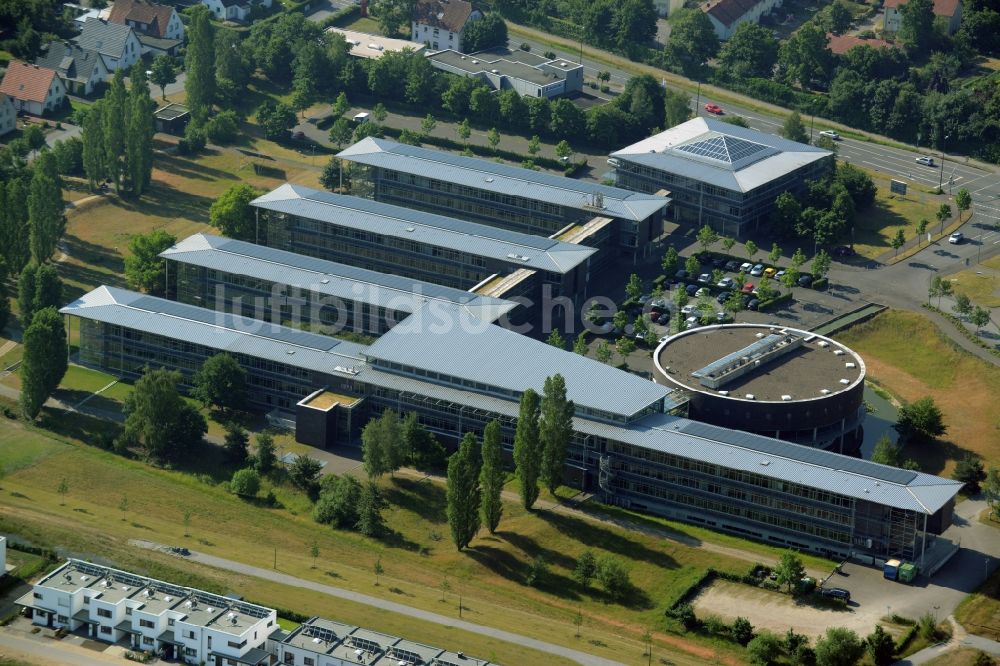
pixel 729 150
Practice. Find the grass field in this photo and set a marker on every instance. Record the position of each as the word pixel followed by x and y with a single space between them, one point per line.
pixel 417 558
pixel 979 612
pixel 875 227
pixel 959 657
pixel 907 354
pixel 981 289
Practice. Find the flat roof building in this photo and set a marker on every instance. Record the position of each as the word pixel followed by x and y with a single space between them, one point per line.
pixel 772 380
pixel 632 443
pixel 415 244
pixel 286 288
pixel 373 47
pixel 505 196
pixel 718 174
pixel 528 75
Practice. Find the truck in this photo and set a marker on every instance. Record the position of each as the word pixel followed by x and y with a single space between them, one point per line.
pixel 890 571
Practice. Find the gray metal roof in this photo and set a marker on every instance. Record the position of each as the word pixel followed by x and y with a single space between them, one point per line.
pixel 497 357
pixel 71 60
pixel 106 38
pixel 326 277
pixel 505 179
pixel 437 230
pixel 832 472
pixel 222 331
pixel 717 153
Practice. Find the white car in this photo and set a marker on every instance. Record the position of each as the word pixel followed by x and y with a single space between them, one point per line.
pixel 956 238
pixel 704 291
pixel 925 160
pixel 691 322
pixel 705 278
pixel 757 270
pixel 830 134
pixel 745 267
pixel 688 309
pixel 725 283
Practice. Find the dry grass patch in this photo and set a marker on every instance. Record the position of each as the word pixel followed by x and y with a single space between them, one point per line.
pixel 982 289
pixel 908 355
pixel 875 227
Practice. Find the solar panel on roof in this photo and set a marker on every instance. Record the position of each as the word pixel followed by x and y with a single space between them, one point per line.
pixel 768 446
pixel 726 149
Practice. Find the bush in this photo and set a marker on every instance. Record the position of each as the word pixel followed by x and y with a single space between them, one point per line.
pixel 223 128
pixel 538 572
pixel 742 631
pixel 525 46
pixel 245 483
pixel 684 613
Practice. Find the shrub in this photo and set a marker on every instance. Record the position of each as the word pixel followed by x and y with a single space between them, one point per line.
pixel 525 46
pixel 742 631
pixel 684 613
pixel 245 483
pixel 223 128
pixel 538 572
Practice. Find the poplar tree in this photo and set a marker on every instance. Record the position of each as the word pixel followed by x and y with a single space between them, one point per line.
pixel 199 63
pixel 45 208
pixel 94 149
pixel 491 476
pixel 16 230
pixel 113 118
pixel 139 136
pixel 463 493
pixel 527 456
pixel 44 362
pixel 555 430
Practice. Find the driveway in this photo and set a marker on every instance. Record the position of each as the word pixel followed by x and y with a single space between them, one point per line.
pixel 17 642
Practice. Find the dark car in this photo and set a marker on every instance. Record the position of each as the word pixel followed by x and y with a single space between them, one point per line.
pixel 692 289
pixel 843 251
pixel 723 296
pixel 836 593
pixel 753 304
pixel 681 274
pixel 718 262
pixel 298 135
pixel 805 281
pixel 663 319
pixel 732 266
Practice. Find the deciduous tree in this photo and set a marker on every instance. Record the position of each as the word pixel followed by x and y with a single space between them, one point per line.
pixel 370 504
pixel 463 492
pixel 921 421
pixel 839 647
pixel 199 63
pixel 750 52
pixel 338 501
pixel 236 444
pixel 44 362
pixel 793 129
pixel 220 383
pixel 45 208
pixel 162 73
pixel 158 420
pixel 232 213
pixel 144 269
pixel 245 483
pixel 555 430
pixel 491 476
pixel 304 473
pixel 789 570
pixel 527 450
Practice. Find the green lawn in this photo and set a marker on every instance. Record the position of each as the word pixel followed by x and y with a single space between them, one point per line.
pixel 875 227
pixel 360 24
pixel 981 289
pixel 417 557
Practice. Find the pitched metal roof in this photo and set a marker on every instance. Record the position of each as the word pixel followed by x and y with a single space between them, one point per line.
pixel 720 154
pixel 496 357
pixel 326 277
pixel 106 38
pixel 528 251
pixel 69 60
pixel 505 179
pixel 773 458
pixel 27 82
pixel 217 330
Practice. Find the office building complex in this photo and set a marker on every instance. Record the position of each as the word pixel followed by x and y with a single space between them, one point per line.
pixel 419 245
pixel 718 174
pixel 614 220
pixel 526 73
pixel 197 627
pixel 280 287
pixel 775 381
pixel 632 443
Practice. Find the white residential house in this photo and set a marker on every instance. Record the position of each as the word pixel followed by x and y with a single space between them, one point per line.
pixel 176 622
pixel 8 121
pixel 439 23
pixel 725 15
pixel 949 11
pixel 117 43
pixel 148 18
pixel 33 89
pixel 82 70
pixel 234 10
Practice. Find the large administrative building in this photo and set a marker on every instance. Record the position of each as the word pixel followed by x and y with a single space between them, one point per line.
pixel 424 246
pixel 633 444
pixel 774 381
pixel 620 221
pixel 718 174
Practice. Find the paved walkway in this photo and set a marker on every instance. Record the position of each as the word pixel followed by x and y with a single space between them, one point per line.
pixel 358 597
pixel 39 649
pixel 960 638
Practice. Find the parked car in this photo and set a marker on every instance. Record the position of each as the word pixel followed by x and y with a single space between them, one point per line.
pixel 714 108
pixel 691 289
pixel 718 262
pixel 770 272
pixel 613 161
pixel 779 275
pixel 645 299
pixel 704 291
pixel 691 322
pixel 659 304
pixel 830 134
pixel 747 288
pixel 663 319
pixel 723 296
pixel 705 278
pixel 745 267
pixel 836 593
pixel 732 266
pixel 721 317
pixel 843 251
pixel 681 274
pixel 956 238
pixel 753 304
pixel 725 283
pixel 688 309
pixel 757 270
pixel 926 160
pixel 298 135
pixel 805 281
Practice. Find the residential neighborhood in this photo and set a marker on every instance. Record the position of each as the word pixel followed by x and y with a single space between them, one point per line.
pixel 460 333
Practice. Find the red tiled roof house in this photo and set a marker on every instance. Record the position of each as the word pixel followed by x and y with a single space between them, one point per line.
pixel 725 15
pixel 148 18
pixel 33 89
pixel 950 11
pixel 439 23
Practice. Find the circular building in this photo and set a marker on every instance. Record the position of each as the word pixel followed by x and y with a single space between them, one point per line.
pixel 771 380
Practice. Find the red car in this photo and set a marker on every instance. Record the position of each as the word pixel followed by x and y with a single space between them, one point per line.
pixel 747 288
pixel 714 108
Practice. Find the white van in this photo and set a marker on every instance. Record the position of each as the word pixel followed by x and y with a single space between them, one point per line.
pixel 361 118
